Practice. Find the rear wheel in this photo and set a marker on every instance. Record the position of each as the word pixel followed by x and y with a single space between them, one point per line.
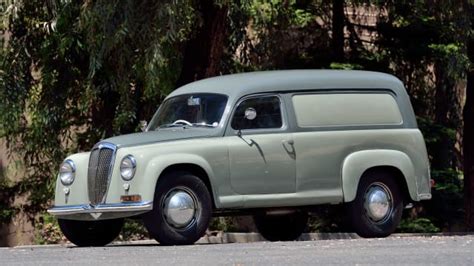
pixel 377 209
pixel 182 210
pixel 286 227
pixel 91 233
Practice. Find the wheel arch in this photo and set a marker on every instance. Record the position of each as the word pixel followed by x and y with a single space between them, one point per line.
pixel 358 164
pixel 159 166
pixel 393 172
pixel 193 169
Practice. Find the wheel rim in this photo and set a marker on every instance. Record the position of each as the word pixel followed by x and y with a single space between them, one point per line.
pixel 378 202
pixel 180 207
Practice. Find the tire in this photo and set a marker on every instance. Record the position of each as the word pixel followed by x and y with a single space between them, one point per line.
pixel 91 233
pixel 286 227
pixel 185 226
pixel 380 220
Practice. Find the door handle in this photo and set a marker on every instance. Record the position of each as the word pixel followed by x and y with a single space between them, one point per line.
pixel 289 141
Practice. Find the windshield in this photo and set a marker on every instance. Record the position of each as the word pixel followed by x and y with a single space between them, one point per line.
pixel 200 110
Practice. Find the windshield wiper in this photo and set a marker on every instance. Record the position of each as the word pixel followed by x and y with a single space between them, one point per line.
pixel 171 125
pixel 193 125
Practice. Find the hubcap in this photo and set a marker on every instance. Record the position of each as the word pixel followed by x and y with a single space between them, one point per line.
pixel 378 202
pixel 179 208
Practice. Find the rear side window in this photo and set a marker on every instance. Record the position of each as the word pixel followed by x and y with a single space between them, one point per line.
pixel 268 111
pixel 345 109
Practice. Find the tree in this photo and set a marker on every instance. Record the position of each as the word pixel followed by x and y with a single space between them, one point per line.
pixel 468 133
pixel 338 20
pixel 203 52
pixel 79 71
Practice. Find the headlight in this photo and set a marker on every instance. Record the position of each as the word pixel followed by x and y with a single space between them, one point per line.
pixel 67 172
pixel 127 167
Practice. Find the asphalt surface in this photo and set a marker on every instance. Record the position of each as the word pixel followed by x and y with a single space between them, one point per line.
pixel 441 250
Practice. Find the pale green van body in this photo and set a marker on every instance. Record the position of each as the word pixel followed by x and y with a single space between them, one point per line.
pixel 308 161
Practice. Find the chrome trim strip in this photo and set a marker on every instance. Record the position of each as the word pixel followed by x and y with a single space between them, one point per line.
pixel 101 208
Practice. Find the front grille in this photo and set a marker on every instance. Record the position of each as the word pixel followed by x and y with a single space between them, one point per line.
pixel 100 165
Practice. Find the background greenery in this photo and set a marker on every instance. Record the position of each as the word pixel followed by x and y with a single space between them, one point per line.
pixel 76 71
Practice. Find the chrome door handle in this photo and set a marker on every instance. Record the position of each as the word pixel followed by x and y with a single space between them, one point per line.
pixel 289 141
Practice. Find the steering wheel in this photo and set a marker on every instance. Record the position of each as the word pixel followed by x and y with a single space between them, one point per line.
pixel 182 121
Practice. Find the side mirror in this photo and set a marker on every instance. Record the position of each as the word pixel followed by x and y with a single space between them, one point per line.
pixel 250 113
pixel 143 125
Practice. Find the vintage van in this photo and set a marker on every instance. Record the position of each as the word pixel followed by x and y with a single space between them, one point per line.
pixel 273 144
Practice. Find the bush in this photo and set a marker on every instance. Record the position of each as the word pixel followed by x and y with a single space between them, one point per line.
pixel 419 225
pixel 133 230
pixel 47 231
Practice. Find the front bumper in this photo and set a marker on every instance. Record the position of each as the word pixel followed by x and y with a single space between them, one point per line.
pixel 100 212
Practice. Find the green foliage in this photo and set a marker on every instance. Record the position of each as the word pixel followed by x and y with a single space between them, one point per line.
pixel 420 225
pixel 224 224
pixel 346 66
pixel 448 180
pixel 7 194
pixel 47 231
pixel 446 205
pixel 6 214
pixel 133 230
pixel 434 132
pixel 74 72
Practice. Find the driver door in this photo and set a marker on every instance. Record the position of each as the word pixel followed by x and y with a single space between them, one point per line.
pixel 261 155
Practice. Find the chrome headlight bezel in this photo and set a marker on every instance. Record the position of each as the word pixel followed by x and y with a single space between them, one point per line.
pixel 67 172
pixel 128 166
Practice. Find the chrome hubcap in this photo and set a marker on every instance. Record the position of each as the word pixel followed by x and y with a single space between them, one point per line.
pixel 180 207
pixel 378 202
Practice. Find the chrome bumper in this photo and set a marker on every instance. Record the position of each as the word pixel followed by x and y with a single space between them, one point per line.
pixel 119 209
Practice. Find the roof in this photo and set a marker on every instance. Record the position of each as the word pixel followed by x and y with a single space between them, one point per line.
pixel 237 85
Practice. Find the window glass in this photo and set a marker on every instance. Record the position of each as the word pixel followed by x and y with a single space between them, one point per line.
pixel 346 109
pixel 268 113
pixel 197 110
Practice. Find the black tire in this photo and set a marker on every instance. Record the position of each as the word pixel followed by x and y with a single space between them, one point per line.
pixel 158 224
pixel 286 227
pixel 91 233
pixel 364 224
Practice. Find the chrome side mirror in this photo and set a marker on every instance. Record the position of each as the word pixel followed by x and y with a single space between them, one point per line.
pixel 250 113
pixel 143 125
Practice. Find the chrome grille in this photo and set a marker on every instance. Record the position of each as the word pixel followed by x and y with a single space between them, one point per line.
pixel 100 165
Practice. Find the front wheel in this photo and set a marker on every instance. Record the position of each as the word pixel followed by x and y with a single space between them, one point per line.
pixel 91 233
pixel 377 209
pixel 285 227
pixel 182 210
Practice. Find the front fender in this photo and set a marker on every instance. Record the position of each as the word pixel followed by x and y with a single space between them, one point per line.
pixel 158 164
pixel 355 164
pixel 77 192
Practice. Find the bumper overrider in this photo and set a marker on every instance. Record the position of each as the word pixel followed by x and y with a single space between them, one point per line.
pixel 100 211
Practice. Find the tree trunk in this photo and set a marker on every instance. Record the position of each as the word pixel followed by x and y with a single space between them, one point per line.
pixel 468 142
pixel 443 149
pixel 338 30
pixel 203 53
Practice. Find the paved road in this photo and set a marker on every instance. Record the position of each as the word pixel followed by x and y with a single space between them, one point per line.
pixel 445 250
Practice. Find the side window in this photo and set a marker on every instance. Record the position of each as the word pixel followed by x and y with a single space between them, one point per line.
pixel 268 113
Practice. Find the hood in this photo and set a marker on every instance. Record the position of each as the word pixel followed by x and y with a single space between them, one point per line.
pixel 165 134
